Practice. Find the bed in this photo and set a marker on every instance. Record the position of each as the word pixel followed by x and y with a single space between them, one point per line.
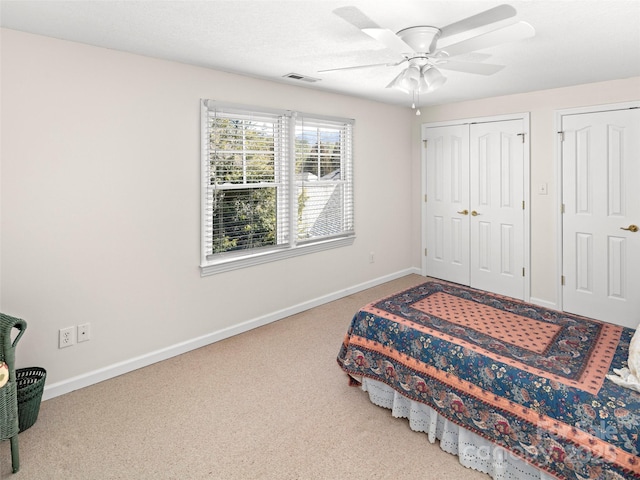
pixel 515 390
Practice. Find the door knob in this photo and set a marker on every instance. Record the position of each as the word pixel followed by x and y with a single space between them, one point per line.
pixel 630 228
pixel 474 213
pixel 464 212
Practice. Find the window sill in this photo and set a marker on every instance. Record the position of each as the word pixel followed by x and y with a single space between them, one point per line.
pixel 225 265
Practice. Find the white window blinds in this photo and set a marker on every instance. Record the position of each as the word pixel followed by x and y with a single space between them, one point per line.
pixel 323 178
pixel 272 181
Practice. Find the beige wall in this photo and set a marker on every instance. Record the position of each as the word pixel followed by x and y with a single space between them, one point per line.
pixel 100 202
pixel 101 206
pixel 542 106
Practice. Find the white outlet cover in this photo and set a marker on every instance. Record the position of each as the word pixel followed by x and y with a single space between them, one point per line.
pixel 66 337
pixel 84 332
pixel 542 189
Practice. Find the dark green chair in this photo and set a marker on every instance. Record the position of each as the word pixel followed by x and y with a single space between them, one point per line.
pixel 9 426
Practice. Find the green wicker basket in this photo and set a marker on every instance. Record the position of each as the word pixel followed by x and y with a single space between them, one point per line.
pixel 30 383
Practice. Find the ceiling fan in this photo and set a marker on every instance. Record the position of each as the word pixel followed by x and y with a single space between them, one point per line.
pixel 420 46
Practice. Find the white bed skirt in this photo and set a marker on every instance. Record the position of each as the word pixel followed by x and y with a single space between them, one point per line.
pixel 472 450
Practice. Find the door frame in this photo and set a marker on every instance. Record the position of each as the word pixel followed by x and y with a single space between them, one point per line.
pixel 559 114
pixel 525 117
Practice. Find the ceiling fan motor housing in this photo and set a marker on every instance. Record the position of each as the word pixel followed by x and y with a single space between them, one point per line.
pixel 422 39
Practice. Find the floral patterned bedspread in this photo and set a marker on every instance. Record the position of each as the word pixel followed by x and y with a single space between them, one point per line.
pixel 529 379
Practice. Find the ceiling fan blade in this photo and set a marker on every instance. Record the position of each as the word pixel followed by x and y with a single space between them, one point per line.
pixel 388 39
pixel 385 36
pixel 364 66
pixel 355 17
pixel 493 15
pixel 510 33
pixel 468 67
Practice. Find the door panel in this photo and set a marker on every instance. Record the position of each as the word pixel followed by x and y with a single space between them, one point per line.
pixel 497 215
pixel 447 230
pixel 584 262
pixel 507 249
pixel 617 268
pixel 601 197
pixel 482 246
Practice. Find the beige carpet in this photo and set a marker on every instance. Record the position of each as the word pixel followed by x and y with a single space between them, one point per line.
pixel 271 403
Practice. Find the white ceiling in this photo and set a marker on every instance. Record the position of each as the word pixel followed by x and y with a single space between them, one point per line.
pixel 576 41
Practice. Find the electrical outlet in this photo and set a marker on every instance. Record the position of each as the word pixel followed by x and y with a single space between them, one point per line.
pixel 66 337
pixel 372 257
pixel 84 332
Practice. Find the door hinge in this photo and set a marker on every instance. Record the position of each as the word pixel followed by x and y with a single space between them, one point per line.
pixel 523 271
pixel 562 280
pixel 523 204
pixel 425 198
pixel 561 136
pixel 522 135
pixel 424 143
pixel 562 208
pixel 425 252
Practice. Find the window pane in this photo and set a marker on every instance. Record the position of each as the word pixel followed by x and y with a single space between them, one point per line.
pixel 320 210
pixel 318 152
pixel 260 168
pixel 244 218
pixel 322 151
pixel 242 151
pixel 226 168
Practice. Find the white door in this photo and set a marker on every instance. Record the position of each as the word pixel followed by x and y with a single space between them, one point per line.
pixel 601 197
pixel 447 219
pixel 497 207
pixel 474 212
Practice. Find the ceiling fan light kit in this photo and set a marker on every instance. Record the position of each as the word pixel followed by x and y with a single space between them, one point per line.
pixel 416 79
pixel 418 46
pixel 407 80
pixel 432 79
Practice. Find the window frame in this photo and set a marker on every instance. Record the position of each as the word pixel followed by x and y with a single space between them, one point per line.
pixel 210 263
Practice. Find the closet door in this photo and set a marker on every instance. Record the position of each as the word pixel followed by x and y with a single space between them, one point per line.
pixel 447 208
pixel 497 207
pixel 475 217
pixel 601 241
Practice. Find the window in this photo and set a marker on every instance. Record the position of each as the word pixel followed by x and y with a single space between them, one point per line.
pixel 274 184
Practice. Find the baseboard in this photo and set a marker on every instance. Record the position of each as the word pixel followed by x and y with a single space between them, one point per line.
pixel 544 303
pixel 111 371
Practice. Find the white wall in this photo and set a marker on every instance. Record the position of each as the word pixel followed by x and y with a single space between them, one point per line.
pixel 100 207
pixel 544 208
